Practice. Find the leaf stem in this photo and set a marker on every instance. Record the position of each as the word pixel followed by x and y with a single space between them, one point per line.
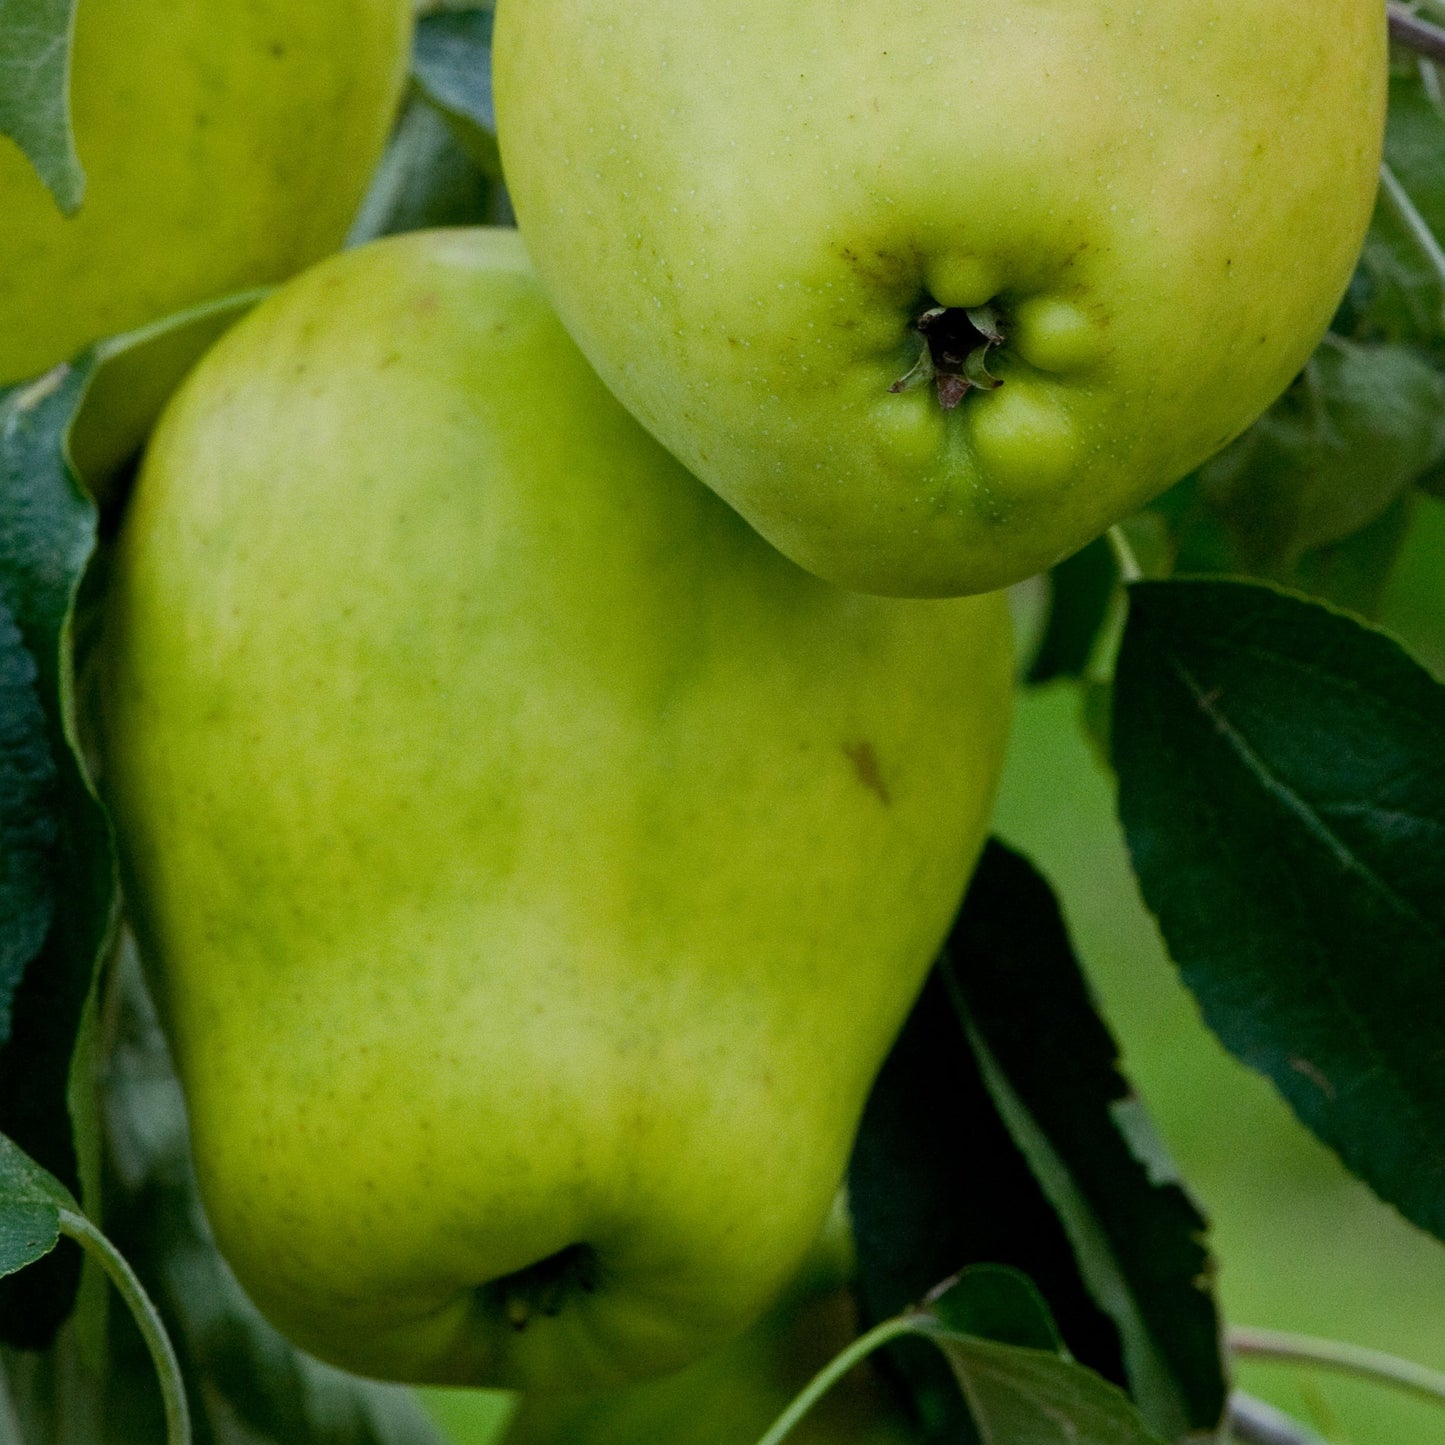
pixel 173 1391
pixel 1355 1360
pixel 1408 215
pixel 1415 34
pixel 834 1371
pixel 1124 558
pixel 1252 1422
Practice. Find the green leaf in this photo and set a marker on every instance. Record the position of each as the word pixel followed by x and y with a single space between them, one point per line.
pixel 442 167
pixel 426 179
pixel 30 1205
pixel 994 1302
pixel 103 404
pixel 937 1184
pixel 35 45
pixel 47 534
pixel 1029 1396
pixel 1282 787
pixel 1327 462
pixel 27 816
pixel 1026 1397
pixel 1052 1068
pixel 452 68
pixel 133 376
pixel 1356 572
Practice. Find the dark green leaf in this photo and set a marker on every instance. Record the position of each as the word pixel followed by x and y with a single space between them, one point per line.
pixel 1081 589
pixel 1025 1397
pixel 452 68
pixel 1052 1068
pixel 47 533
pixel 27 816
pixel 28 1232
pixel 1282 785
pixel 35 46
pixel 937 1184
pixel 425 179
pixel 993 1302
pixel 103 404
pixel 30 1205
pixel 1028 1396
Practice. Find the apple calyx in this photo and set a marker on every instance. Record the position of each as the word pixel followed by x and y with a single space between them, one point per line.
pixel 954 354
pixel 544 1288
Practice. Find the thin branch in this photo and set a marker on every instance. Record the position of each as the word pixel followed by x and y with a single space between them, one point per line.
pixel 9 1421
pixel 834 1371
pixel 1408 215
pixel 1252 1422
pixel 1416 34
pixel 1354 1360
pixel 1124 558
pixel 173 1391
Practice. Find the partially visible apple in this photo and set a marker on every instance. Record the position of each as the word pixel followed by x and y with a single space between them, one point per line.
pixel 225 145
pixel 933 291
pixel 731 1398
pixel 533 866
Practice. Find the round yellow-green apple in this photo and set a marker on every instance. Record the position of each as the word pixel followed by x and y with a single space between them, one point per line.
pixel 934 291
pixel 226 144
pixel 733 1396
pixel 532 864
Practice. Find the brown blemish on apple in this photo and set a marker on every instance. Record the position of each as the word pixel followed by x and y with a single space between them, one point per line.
pixel 865 765
pixel 879 267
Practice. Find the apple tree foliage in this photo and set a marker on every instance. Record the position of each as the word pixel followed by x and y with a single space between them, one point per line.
pixel 1027 1259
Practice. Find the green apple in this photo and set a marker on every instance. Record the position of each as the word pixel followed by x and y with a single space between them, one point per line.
pixel 934 291
pixel 533 865
pixel 225 145
pixel 733 1396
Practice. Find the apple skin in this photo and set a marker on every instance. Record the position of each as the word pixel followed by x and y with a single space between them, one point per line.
pixel 532 865
pixel 740 208
pixel 226 144
pixel 733 1396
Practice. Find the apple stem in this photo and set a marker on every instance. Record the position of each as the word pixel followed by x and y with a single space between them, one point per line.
pixel 1374 1365
pixel 173 1390
pixel 834 1371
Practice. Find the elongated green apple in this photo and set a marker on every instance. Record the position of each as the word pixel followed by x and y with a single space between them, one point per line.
pixel 733 1396
pixel 225 145
pixel 933 291
pixel 533 865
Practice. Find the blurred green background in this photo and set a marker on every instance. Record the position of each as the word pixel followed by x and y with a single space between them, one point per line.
pixel 1300 1245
